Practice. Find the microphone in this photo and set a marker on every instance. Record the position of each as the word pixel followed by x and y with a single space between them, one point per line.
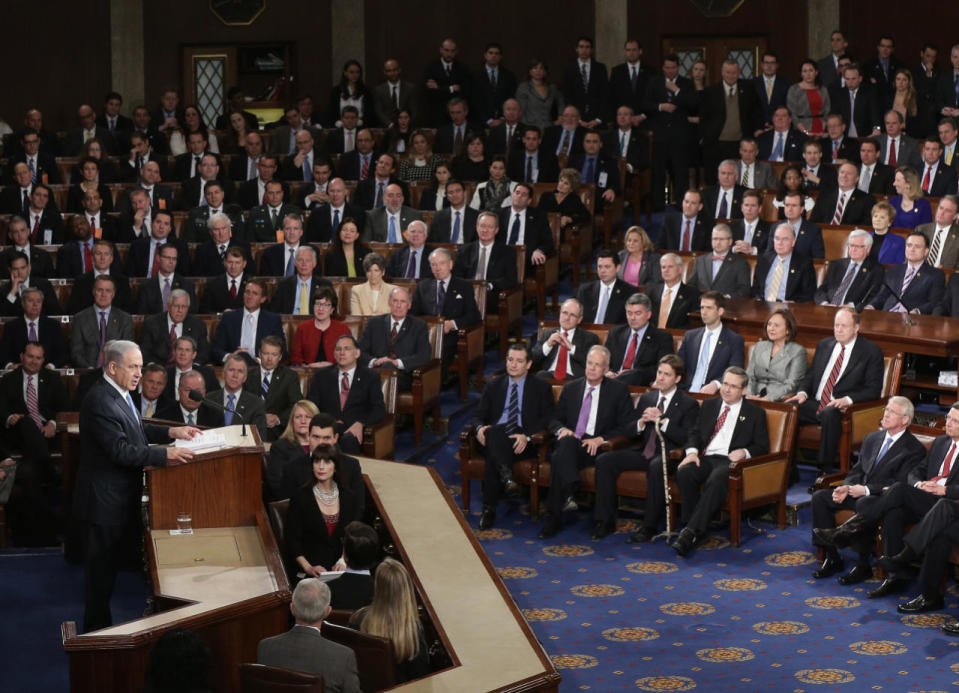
pixel 197 396
pixel 907 320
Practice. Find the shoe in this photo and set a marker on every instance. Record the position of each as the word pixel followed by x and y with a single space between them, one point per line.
pixel 687 540
pixel 921 604
pixel 641 536
pixel 601 530
pixel 488 518
pixel 570 505
pixel 829 567
pixel 900 562
pixel 550 528
pixel 511 489
pixel 859 573
pixel 888 586
pixel 951 628
pixel 843 535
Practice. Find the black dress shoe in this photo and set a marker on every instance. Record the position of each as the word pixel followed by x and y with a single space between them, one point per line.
pixel 601 530
pixel 641 536
pixel 888 586
pixel 843 535
pixel 570 505
pixel 951 628
pixel 549 529
pixel 511 489
pixel 687 540
pixel 921 604
pixel 856 575
pixel 488 518
pixel 900 562
pixel 829 567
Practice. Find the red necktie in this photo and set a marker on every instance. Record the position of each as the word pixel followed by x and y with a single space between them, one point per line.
pixel 835 151
pixel 344 391
pixel 35 235
pixel 892 152
pixel 233 288
pixel 831 383
pixel 946 465
pixel 630 353
pixel 719 424
pixel 156 265
pixel 87 259
pixel 925 179
pixel 687 233
pixel 561 356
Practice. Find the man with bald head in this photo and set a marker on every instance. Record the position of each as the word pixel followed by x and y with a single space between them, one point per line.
pixel 266 220
pixel 508 134
pixel 325 219
pixel 298 166
pixel 87 130
pixel 15 196
pixel 411 261
pixel 161 196
pixel 243 166
pixel 396 340
pixel 385 224
pixel 847 204
pixel 393 95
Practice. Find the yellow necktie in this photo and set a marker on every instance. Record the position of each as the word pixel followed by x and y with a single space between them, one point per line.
pixel 664 308
pixel 949 153
pixel 149 414
pixel 773 292
pixel 304 300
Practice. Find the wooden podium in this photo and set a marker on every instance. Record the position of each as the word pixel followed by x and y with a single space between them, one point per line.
pixel 225 582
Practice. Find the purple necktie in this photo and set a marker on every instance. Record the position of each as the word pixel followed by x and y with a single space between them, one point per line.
pixel 32 332
pixel 411 268
pixel 584 413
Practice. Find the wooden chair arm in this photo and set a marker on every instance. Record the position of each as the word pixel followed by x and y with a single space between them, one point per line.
pixel 541 438
pixel 379 438
pixel 829 480
pixel 616 443
pixel 736 468
pixel 424 371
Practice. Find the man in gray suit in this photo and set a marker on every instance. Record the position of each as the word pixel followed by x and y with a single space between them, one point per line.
pixel 303 648
pixel 95 326
pixel 757 174
pixel 385 224
pixel 722 270
pixel 907 148
pixel 943 234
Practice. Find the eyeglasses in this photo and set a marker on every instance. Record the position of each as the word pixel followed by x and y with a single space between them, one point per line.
pixel 323 304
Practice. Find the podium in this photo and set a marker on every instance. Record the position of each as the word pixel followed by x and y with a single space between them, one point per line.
pixel 225 581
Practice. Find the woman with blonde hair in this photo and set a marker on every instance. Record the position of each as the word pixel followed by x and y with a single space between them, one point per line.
pixel 292 445
pixel 393 615
pixel 911 209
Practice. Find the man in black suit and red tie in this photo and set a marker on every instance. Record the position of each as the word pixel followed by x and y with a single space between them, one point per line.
pixel 846 204
pixel 396 340
pixel 590 411
pixel 674 412
pixel 513 407
pixel 730 428
pixel 560 352
pixel 688 230
pixel 846 368
pixel 636 347
pixel 935 178
pixel 446 296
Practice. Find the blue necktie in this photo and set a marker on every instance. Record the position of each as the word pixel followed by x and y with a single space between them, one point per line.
pixel 703 364
pixel 590 174
pixel 392 234
pixel 230 408
pixel 133 408
pixel 885 449
pixel 378 202
pixel 290 266
pixel 336 220
pixel 456 229
pixel 778 151
pixel 514 232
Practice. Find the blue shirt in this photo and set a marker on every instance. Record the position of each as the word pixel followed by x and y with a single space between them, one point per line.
pixel 520 387
pixel 781 296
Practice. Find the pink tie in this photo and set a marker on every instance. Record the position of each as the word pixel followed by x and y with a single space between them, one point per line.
pixel 344 391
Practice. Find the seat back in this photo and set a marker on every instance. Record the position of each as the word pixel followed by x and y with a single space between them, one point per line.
pixel 781 422
pixel 891 373
pixel 375 661
pixel 278 511
pixel 259 678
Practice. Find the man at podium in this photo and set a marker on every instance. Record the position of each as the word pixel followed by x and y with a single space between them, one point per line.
pixel 115 446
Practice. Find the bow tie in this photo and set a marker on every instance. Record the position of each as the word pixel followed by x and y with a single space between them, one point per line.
pixel 719 257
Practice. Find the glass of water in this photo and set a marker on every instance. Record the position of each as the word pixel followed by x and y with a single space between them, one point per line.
pixel 184 522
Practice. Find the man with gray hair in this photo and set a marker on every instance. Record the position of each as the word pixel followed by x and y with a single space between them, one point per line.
pixel 115 447
pixel 854 279
pixel 448 297
pixel 729 111
pixel 411 261
pixel 209 255
pixel 783 274
pixel 294 295
pixel 724 200
pixel 303 647
pixel 160 331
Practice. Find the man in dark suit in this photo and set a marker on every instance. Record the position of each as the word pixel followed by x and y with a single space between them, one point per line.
pixel 724 199
pixel 783 142
pixel 590 411
pixel 111 118
pixel 858 102
pixel 265 220
pixel 784 273
pixel 43 217
pixel 722 270
pixel 670 100
pixel 560 352
pixel 342 139
pixel 689 229
pixel 168 114
pixel 874 178
pixel 41 264
pixel 114 450
pixel 193 191
pixel 151 399
pixel 495 263
pixel 294 295
pixel 32 327
pixel 298 166
pixel 42 165
pixel 846 204
pixel 303 648
pixel 817 176
pixel 525 226
pixel 673 300
pixel 243 166
pixel 161 196
pixel 948 135
pixel 385 224
pixel 886 457
pixel 75 256
pixel 636 347
pixel 456 223
pixel 243 330
pixel 370 192
pixel 839 147
pixel 829 389
pixel 325 219
pixel 15 196
pixel 750 234
pixel 829 66
pixel 93 327
pixel 143 148
pixel 104 262
pixel 935 178
pixel 597 168
pixel 160 332
pixel 507 136
pixel 278 260
pixel 88 129
pixel 278 386
pixel 604 300
pixel 361 549
pixel 881 70
pixel 808 235
pixel 397 340
pixel 729 111
pixel 184 360
pixel 920 285
pixel 629 142
pixel 448 297
pixel 451 137
pixel 444 78
pixel 708 351
pixel 627 83
pixel 186 166
pixel 585 84
pixel 350 392
pixel 906 148
pixel 770 87
pixel 513 408
pixel 142 260
pixel 209 255
pixel 532 163
pixel 225 291
pixel 949 305
pixel 900 505
pixel 674 412
pixel 153 294
pixel 360 163
pixel 239 406
pixel 565 139
pixel 18 267
pixel 730 428
pixel 412 260
pixel 392 96
pixel 252 193
pixel 492 86
pixel 851 280
pixel 947 100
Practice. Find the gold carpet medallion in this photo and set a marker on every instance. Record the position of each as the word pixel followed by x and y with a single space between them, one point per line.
pixel 574 661
pixel 567 550
pixel 878 647
pixel 634 634
pixel 790 559
pixel 725 654
pixel 780 628
pixel 926 620
pixel 832 602
pixel 665 683
pixel 494 533
pixel 516 572
pixel 544 614
pixel 739 584
pixel 597 590
pixel 831 676
pixel 687 609
pixel 652 567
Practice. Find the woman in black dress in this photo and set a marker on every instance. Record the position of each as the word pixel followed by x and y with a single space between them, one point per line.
pixel 565 200
pixel 472 164
pixel 90 181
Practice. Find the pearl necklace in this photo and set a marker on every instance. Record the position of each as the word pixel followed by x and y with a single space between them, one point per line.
pixel 327 497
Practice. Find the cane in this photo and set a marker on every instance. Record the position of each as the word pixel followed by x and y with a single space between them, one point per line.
pixel 668 533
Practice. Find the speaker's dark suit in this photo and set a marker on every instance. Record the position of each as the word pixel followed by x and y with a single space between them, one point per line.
pixel 866 283
pixel 138 260
pixel 210 383
pixel 730 350
pixel 681 413
pixel 459 305
pixel 861 381
pixel 712 472
pixel 259 226
pixel 412 344
pixel 712 113
pixel 857 209
pixel 623 91
pixel 248 194
pixel 286 292
pixel 768 106
pixel 589 294
pixel 875 474
pixel 229 331
pixel 365 194
pixel 82 295
pixel 792 146
pixel 49 335
pixel 867 113
pixel 500 269
pixel 155 338
pixel 399 262
pixel 546 168
pixel 41 264
pixel 207 261
pixel 685 300
pixel 441 228
pixel 204 416
pixel 535 410
pixel 761 233
pixel 283 393
pixel 923 294
pixel 319 227
pixel 150 296
pixel 674 224
pixel 249 407
pixel 800 282
pixel 655 344
pixel 536 234
pixel 581 340
pixel 364 403
pixel 731 280
pixel 615 416
pixel 51 306
pixel 114 449
pixel 590 98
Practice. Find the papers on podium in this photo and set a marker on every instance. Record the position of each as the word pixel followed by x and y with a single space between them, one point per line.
pixel 203 441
